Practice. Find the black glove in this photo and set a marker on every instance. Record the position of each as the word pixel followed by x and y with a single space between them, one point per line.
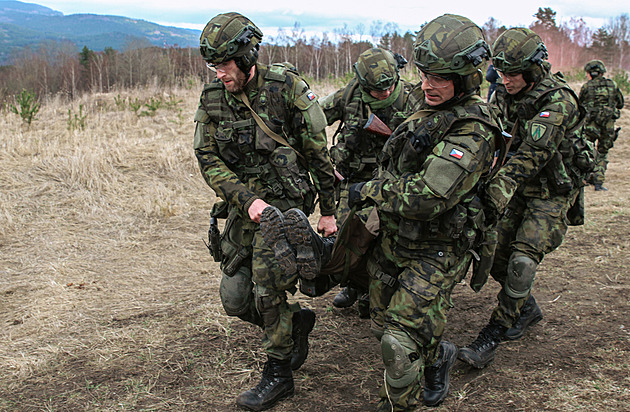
pixel 354 195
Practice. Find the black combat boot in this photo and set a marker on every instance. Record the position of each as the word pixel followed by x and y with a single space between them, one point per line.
pixel 437 377
pixel 600 187
pixel 481 352
pixel 530 315
pixel 311 250
pixel 275 385
pixel 272 229
pixel 346 297
pixel 303 322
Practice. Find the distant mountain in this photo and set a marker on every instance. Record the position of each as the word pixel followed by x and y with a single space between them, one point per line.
pixel 28 24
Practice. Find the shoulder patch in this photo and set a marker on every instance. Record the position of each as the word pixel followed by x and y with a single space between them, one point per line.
pixel 305 100
pixel 537 131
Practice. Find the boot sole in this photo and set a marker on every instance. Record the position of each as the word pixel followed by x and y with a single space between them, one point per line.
pixel 272 229
pixel 299 234
pixel 517 336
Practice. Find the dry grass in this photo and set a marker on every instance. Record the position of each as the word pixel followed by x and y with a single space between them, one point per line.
pixel 109 299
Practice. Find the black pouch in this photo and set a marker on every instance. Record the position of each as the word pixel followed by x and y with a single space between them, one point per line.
pixel 316 287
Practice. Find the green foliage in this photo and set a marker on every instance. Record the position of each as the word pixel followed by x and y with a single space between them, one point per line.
pixel 172 102
pixel 152 106
pixel 621 78
pixel 27 106
pixel 135 105
pixel 76 121
pixel 121 102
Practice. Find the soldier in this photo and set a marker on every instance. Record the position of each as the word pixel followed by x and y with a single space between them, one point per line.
pixel 376 90
pixel 261 147
pixel 538 184
pixel 429 175
pixel 603 100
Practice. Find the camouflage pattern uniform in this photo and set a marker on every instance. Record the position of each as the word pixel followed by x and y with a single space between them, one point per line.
pixel 536 186
pixel 241 163
pixel 354 155
pixel 603 100
pixel 429 174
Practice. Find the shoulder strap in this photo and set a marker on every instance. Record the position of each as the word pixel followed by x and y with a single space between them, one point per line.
pixel 266 128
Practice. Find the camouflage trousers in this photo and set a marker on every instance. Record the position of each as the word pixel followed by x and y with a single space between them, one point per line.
pixel 531 227
pixel 604 135
pixel 416 303
pixel 257 291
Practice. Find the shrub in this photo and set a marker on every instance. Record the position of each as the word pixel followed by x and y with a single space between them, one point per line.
pixel 28 106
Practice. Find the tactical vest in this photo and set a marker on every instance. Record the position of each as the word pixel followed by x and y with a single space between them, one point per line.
pixel 601 104
pixel 363 146
pixel 566 169
pixel 407 150
pixel 274 172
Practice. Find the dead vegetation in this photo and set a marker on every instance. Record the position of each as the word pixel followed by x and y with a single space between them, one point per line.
pixel 109 299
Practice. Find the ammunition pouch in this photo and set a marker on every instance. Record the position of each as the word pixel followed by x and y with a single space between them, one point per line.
pixel 558 179
pixel 236 242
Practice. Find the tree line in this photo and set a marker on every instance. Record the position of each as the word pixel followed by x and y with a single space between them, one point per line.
pixel 54 67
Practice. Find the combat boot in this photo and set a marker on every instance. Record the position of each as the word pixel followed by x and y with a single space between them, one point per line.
pixel 437 376
pixel 311 250
pixel 600 188
pixel 272 229
pixel 346 297
pixel 530 315
pixel 275 385
pixel 481 352
pixel 303 322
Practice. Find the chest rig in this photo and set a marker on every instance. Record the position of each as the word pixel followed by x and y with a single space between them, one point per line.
pixel 271 170
pixel 407 151
pixel 355 154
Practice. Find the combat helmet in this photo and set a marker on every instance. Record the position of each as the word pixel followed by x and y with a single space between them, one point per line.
pixel 520 50
pixel 230 36
pixel 377 69
pixel 453 47
pixel 595 68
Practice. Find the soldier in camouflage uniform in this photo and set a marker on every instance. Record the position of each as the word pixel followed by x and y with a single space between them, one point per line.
pixel 376 89
pixel 603 100
pixel 429 175
pixel 257 177
pixel 535 187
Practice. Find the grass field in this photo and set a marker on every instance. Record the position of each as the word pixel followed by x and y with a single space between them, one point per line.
pixel 109 298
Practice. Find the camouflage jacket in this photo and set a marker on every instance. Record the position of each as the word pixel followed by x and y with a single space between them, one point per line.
pixel 241 163
pixel 602 99
pixel 429 175
pixel 355 153
pixel 547 120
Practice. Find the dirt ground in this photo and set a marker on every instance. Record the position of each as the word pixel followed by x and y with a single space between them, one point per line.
pixel 109 298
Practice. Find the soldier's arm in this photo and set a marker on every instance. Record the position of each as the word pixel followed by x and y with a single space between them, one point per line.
pixel 620 101
pixel 542 137
pixel 309 128
pixel 451 171
pixel 214 170
pixel 332 107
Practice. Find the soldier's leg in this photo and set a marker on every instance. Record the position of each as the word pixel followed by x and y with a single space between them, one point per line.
pixel 604 144
pixel 414 324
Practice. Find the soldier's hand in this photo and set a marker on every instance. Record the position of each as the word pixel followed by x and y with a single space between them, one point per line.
pixel 256 209
pixel 354 195
pixel 498 194
pixel 327 225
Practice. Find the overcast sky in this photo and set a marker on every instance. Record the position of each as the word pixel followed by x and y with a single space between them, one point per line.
pixel 328 15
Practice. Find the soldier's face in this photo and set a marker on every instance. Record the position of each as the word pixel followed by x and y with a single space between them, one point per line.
pixel 382 94
pixel 437 89
pixel 232 77
pixel 514 83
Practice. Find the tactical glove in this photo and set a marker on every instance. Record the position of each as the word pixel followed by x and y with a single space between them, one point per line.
pixel 497 195
pixel 354 195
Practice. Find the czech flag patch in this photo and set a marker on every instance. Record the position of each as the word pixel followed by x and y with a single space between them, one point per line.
pixel 311 96
pixel 457 154
pixel 544 114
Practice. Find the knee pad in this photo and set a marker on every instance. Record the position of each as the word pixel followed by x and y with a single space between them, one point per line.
pixel 401 359
pixel 236 292
pixel 520 276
